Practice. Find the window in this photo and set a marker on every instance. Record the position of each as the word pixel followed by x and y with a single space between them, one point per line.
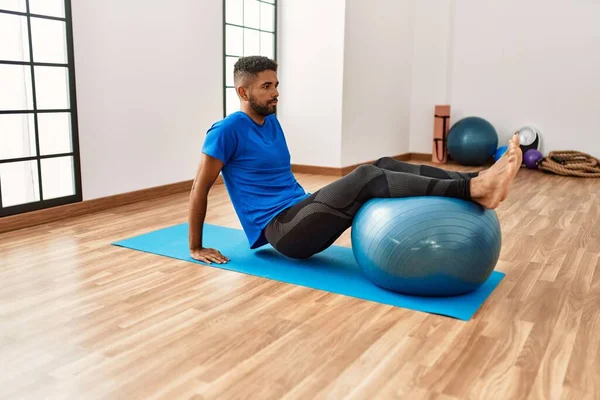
pixel 250 28
pixel 39 150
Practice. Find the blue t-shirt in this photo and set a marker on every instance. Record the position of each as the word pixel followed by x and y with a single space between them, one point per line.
pixel 257 170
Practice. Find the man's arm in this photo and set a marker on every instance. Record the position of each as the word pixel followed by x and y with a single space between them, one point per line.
pixel 206 176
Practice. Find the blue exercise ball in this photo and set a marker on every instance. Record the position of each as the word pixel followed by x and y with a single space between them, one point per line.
pixel 472 141
pixel 500 152
pixel 426 246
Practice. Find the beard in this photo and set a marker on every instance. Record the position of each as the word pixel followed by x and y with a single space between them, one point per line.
pixel 263 109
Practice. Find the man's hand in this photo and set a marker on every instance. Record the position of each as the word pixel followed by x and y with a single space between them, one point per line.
pixel 208 255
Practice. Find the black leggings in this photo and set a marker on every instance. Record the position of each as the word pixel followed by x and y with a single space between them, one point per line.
pixel 314 224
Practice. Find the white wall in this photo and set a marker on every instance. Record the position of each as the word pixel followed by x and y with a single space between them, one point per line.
pixel 431 60
pixel 355 78
pixel 345 75
pixel 149 85
pixel 377 79
pixel 311 68
pixel 518 63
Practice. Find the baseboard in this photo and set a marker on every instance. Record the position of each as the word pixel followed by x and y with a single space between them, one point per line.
pixel 333 171
pixel 44 216
pixel 315 170
pixel 420 156
pixel 39 217
pixel 350 168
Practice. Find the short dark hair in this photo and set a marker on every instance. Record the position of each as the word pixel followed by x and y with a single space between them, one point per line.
pixel 250 66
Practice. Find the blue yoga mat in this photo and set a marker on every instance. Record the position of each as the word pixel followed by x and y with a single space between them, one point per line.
pixel 333 270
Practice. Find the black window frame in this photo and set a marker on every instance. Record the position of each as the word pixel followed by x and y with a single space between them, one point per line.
pixel 225 55
pixel 70 65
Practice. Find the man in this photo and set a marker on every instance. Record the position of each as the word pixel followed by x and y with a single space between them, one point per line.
pixel 249 148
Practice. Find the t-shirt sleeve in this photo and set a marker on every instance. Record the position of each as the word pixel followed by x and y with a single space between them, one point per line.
pixel 220 142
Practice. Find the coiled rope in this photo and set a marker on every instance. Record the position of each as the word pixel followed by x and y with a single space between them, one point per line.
pixel 571 163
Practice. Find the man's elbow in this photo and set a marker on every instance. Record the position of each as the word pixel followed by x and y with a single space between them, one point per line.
pixel 200 189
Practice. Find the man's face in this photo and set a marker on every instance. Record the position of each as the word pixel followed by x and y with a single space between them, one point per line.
pixel 263 93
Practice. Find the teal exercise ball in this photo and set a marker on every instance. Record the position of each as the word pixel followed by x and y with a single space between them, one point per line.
pixel 426 246
pixel 472 141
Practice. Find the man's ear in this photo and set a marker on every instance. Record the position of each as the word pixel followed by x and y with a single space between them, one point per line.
pixel 243 93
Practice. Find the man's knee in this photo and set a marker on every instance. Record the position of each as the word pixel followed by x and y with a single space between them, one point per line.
pixel 367 170
pixel 383 161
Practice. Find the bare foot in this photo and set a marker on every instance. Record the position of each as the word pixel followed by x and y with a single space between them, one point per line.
pixel 491 189
pixel 515 147
pixel 512 144
pixel 516 141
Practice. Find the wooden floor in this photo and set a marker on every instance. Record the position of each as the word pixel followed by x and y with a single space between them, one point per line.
pixel 82 319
